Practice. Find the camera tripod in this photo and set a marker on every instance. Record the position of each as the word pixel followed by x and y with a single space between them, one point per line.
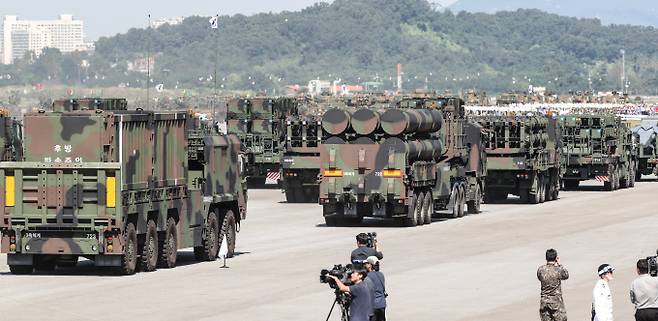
pixel 344 302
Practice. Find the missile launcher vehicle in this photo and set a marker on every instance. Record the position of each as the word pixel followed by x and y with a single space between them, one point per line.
pixel 124 188
pixel 401 163
pixel 597 147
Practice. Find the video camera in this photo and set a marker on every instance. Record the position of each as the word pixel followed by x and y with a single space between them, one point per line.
pixel 652 261
pixel 339 271
pixel 369 239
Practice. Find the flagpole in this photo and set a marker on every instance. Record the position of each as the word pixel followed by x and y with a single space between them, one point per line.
pixel 214 100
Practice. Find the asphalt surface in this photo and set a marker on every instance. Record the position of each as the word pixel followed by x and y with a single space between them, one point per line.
pixel 480 267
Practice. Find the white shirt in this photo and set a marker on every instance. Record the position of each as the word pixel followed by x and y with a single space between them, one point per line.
pixel 602 299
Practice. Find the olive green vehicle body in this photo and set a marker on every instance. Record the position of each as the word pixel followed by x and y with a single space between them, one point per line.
pixel 597 147
pixel 11 131
pixel 646 135
pixel 259 123
pixel 523 157
pixel 89 175
pixel 300 164
pixel 409 167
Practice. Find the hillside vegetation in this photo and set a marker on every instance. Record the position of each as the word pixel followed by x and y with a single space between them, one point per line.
pixel 363 40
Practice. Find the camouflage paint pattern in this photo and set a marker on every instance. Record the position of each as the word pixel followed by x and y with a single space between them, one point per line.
pixel 597 146
pixel 300 164
pixel 646 136
pixel 425 148
pixel 336 121
pixel 61 203
pixel 259 123
pixel 523 153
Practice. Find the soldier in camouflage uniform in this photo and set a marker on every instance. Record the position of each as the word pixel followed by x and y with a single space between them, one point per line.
pixel 551 304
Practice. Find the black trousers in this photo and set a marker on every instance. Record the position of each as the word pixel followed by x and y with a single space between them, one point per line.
pixel 380 315
pixel 646 315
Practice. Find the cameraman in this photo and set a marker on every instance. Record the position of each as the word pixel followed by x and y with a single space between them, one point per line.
pixel 644 293
pixel 361 305
pixel 362 251
pixel 378 285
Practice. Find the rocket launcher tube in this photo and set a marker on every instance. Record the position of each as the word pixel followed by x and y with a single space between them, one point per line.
pixel 336 121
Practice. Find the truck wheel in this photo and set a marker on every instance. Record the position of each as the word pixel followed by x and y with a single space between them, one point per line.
pixel 462 201
pixel 210 240
pixel 533 198
pixel 21 269
pixel 228 229
pixel 474 204
pixel 428 208
pixel 455 207
pixel 129 256
pixel 330 220
pixel 168 247
pixel 638 176
pixel 571 184
pixel 411 220
pixel 420 207
pixel 623 179
pixel 44 263
pixel 633 177
pixel 290 196
pixel 149 258
pixel 542 190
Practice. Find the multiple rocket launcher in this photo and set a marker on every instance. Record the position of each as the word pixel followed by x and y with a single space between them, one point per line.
pixel 413 131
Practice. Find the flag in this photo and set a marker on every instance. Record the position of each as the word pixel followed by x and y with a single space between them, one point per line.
pixel 214 22
pixel 223 249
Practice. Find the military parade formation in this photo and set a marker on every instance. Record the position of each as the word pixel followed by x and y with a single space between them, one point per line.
pixel 128 188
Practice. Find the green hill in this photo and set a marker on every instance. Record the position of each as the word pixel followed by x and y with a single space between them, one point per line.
pixel 634 12
pixel 363 40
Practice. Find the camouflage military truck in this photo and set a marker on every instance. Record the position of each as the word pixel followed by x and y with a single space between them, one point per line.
pixel 401 163
pixel 259 123
pixel 11 134
pixel 300 164
pixel 646 135
pixel 523 158
pixel 125 189
pixel 597 147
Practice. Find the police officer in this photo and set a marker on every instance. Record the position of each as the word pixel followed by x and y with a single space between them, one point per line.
pixel 644 293
pixel 551 275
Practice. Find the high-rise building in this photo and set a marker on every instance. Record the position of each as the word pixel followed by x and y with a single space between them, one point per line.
pixel 21 36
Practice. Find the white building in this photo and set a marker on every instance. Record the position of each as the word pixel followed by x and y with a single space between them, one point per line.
pixel 166 21
pixel 21 36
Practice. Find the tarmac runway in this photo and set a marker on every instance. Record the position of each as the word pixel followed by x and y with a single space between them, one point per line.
pixel 480 267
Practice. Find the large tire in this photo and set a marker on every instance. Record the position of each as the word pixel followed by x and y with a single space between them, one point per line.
pixel 168 246
pixel 21 269
pixel 228 229
pixel 411 220
pixel 542 190
pixel 428 208
pixel 420 206
pixel 130 248
pixel 462 201
pixel 44 263
pixel 534 198
pixel 571 184
pixel 291 196
pixel 330 221
pixel 149 255
pixel 633 176
pixel 474 204
pixel 638 176
pixel 210 239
